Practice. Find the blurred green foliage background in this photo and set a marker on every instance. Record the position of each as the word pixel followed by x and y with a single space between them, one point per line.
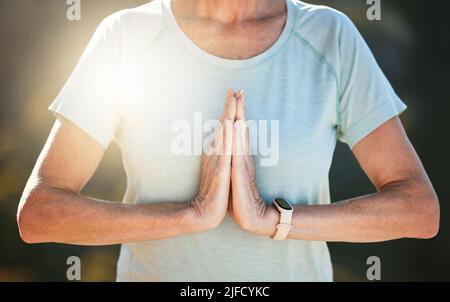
pixel 39 48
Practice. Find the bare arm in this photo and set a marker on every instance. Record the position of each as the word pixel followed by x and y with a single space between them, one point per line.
pixel 405 205
pixel 52 208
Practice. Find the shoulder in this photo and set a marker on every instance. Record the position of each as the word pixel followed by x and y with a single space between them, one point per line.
pixel 140 20
pixel 150 13
pixel 131 30
pixel 319 18
pixel 327 31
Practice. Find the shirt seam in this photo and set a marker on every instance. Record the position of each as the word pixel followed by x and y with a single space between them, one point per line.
pixel 323 60
pixel 356 125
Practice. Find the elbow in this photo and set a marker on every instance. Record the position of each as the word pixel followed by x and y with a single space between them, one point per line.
pixel 427 219
pixel 30 222
pixel 25 221
pixel 430 227
pixel 25 229
pixel 25 233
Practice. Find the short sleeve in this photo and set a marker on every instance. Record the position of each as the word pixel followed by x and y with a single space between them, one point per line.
pixel 366 98
pixel 88 97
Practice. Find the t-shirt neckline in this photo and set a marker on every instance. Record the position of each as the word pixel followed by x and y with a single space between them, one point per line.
pixel 191 46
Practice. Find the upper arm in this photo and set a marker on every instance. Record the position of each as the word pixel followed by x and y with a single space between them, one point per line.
pixel 368 110
pixel 387 156
pixel 88 118
pixel 69 157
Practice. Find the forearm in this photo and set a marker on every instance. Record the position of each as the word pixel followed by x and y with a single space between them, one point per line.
pixel 67 217
pixel 397 211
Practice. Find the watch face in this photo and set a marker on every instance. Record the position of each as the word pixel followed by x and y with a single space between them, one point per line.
pixel 283 204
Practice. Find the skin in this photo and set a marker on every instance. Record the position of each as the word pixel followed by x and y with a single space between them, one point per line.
pixel 404 206
pixel 52 208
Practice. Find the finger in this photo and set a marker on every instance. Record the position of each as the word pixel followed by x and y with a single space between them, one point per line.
pixel 241 127
pixel 240 105
pixel 241 117
pixel 240 138
pixel 218 141
pixel 228 139
pixel 222 143
pixel 229 112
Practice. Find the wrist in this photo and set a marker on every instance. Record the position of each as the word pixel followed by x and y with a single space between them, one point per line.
pixel 193 218
pixel 198 219
pixel 266 225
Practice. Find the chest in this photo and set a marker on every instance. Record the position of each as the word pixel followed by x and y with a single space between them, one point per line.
pixel 172 100
pixel 241 41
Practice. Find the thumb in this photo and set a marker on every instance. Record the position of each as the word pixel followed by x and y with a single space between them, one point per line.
pixel 229 112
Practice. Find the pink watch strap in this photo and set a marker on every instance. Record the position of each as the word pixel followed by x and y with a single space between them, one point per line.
pixel 285 225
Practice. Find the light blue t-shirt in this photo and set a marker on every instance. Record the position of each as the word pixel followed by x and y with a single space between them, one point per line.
pixel 143 83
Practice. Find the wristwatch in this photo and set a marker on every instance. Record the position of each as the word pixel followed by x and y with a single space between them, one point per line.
pixel 286 209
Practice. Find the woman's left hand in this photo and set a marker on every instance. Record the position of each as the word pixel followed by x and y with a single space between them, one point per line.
pixel 246 205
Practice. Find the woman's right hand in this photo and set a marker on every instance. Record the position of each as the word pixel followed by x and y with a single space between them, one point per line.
pixel 61 173
pixel 211 203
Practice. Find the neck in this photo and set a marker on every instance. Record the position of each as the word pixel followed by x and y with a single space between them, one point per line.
pixel 228 11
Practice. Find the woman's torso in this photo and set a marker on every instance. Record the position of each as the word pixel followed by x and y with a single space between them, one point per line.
pixel 171 89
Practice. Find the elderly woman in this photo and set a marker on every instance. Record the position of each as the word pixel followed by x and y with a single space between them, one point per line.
pixel 226 212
